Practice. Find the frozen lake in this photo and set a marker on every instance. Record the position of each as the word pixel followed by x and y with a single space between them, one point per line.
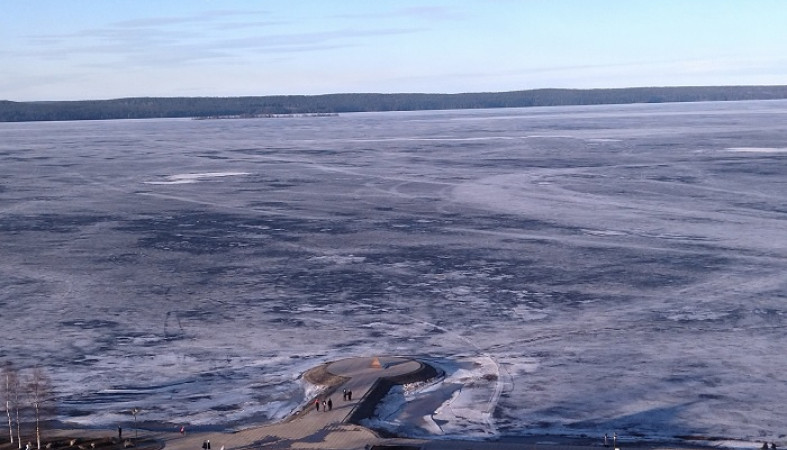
pixel 578 270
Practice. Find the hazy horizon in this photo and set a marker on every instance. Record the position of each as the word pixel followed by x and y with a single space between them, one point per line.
pixel 417 93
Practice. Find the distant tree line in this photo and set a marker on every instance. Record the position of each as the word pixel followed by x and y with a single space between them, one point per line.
pixel 27 400
pixel 204 107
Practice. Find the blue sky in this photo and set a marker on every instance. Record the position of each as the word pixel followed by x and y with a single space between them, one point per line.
pixel 80 49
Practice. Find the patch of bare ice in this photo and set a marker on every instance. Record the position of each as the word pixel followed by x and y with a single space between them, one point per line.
pixel 603 232
pixel 187 178
pixel 529 314
pixel 697 315
pixel 339 259
pixel 758 149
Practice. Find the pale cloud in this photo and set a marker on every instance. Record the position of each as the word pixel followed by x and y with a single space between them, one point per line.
pixel 415 12
pixel 431 13
pixel 158 41
pixel 205 17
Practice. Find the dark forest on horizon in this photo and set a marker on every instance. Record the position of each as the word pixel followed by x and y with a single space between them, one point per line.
pixel 261 106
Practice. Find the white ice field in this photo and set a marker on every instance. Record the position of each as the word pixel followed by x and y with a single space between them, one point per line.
pixel 576 271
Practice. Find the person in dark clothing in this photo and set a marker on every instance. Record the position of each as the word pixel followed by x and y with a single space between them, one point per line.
pixel 330 405
pixel 317 404
pixel 120 434
pixel 349 395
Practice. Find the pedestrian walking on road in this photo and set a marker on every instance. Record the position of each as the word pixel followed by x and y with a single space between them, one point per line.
pixel 204 445
pixel 208 444
pixel 349 395
pixel 324 406
pixel 120 434
pixel 317 404
pixel 344 394
pixel 182 430
pixel 330 405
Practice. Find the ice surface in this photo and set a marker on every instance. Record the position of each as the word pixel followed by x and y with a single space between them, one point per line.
pixel 581 270
pixel 187 178
pixel 758 150
pixel 457 405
